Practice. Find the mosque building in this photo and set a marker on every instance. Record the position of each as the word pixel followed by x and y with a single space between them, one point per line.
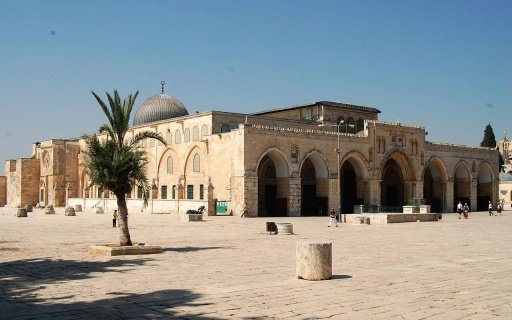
pixel 299 160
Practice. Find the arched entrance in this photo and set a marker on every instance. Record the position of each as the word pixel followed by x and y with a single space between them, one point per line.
pixel 392 188
pixel 272 185
pixel 314 186
pixel 353 187
pixel 434 185
pixel 484 187
pixel 461 186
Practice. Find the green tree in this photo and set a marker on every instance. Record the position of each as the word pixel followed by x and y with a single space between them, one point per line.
pixel 489 139
pixel 114 162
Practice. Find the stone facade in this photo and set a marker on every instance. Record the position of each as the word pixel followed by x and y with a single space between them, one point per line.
pixel 3 191
pixel 295 161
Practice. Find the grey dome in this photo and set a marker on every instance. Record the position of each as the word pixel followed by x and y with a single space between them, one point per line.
pixel 505 176
pixel 159 107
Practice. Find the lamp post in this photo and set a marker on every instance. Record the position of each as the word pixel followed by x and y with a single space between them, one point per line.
pixel 338 152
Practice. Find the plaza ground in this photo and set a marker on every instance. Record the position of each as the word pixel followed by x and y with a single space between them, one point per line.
pixel 229 268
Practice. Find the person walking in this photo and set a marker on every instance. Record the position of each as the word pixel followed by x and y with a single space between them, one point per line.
pixel 499 208
pixel 244 210
pixel 459 209
pixel 332 217
pixel 466 210
pixel 490 209
pixel 114 219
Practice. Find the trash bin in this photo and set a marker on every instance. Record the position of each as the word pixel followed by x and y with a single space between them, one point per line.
pixel 271 227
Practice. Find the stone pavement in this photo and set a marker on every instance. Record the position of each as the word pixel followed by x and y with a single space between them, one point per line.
pixel 228 268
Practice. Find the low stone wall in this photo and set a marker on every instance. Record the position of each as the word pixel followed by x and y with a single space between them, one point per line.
pixel 383 218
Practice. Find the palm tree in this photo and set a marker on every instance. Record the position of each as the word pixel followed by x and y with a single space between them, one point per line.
pixel 115 163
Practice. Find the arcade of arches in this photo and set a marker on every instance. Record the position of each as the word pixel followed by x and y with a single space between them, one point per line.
pixel 441 189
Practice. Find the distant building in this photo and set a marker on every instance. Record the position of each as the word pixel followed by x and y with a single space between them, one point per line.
pixel 281 162
pixel 505 189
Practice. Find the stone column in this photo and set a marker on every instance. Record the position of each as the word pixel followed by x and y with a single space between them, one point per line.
pixel 375 191
pixel 294 197
pixel 314 260
pixel 419 189
pixel 251 195
pixel 448 205
pixel 473 194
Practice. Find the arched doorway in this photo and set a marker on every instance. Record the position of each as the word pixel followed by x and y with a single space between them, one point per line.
pixel 461 186
pixel 434 185
pixel 309 205
pixel 352 182
pixel 392 188
pixel 484 187
pixel 314 185
pixel 272 186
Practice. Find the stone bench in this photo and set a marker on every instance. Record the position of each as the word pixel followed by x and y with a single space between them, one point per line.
pixel 314 260
pixel 191 217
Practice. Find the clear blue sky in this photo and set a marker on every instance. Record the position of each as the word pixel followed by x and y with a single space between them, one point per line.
pixel 446 65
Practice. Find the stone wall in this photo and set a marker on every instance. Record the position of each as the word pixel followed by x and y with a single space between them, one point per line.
pixel 3 191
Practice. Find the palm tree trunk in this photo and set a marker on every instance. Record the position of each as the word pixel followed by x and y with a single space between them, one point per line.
pixel 124 235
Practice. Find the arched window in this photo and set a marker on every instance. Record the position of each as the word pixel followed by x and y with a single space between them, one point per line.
pixel 225 128
pixel 360 125
pixel 177 136
pixel 195 134
pixel 342 124
pixel 351 125
pixel 197 163
pixel 169 164
pixel 168 137
pixel 204 131
pixel 186 133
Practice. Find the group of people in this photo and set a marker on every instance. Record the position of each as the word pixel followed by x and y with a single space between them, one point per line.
pixel 499 207
pixel 463 210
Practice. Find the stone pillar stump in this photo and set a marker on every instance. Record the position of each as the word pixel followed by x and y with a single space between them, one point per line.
pixel 22 213
pixel 49 209
pixel 29 208
pixel 314 260
pixel 78 208
pixel 70 211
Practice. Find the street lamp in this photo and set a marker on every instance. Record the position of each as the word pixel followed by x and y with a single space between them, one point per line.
pixel 338 152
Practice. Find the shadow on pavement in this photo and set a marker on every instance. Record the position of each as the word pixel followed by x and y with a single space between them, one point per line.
pixel 21 280
pixel 192 249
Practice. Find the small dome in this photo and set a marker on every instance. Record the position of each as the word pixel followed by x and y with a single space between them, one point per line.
pixel 504 176
pixel 159 107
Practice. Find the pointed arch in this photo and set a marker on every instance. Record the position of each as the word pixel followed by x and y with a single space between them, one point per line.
pixel 279 159
pixel 485 183
pixel 398 180
pixel 319 162
pixel 461 184
pixel 353 172
pixel 435 179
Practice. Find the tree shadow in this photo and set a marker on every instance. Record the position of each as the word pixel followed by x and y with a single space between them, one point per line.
pixel 193 249
pixel 21 280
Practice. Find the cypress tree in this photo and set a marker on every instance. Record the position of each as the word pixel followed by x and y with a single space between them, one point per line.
pixel 489 140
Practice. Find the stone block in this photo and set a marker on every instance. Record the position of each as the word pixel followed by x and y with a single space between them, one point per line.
pixel 29 208
pixel 49 209
pixel 191 217
pixel 70 211
pixel 284 228
pixel 78 208
pixel 117 250
pixel 22 213
pixel 314 260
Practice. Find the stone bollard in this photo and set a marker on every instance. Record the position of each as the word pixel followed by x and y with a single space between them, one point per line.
pixel 314 260
pixel 70 211
pixel 99 210
pixel 29 208
pixel 78 208
pixel 22 213
pixel 49 209
pixel 284 228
